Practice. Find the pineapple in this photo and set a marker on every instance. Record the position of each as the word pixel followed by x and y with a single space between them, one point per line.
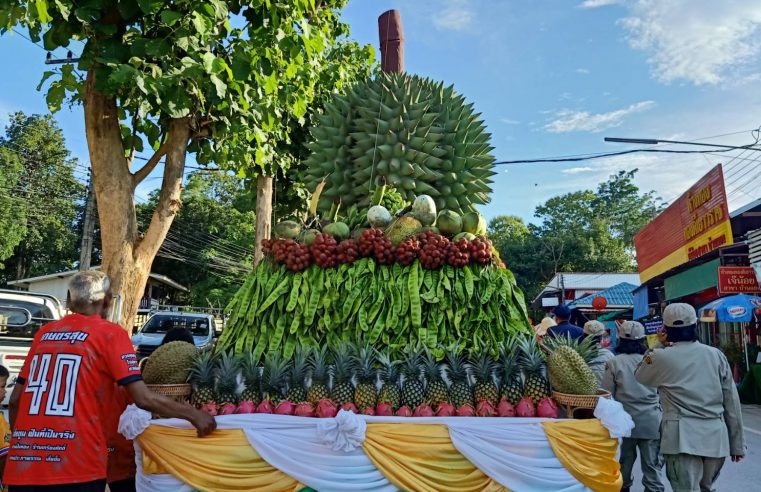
pixel 512 385
pixel 320 373
pixel 436 389
pixel 457 371
pixel 532 363
pixel 229 380
pixel 365 394
pixel 275 378
pixel 252 378
pixel 201 377
pixel 343 371
pixel 412 389
pixel 484 366
pixel 297 392
pixel 390 392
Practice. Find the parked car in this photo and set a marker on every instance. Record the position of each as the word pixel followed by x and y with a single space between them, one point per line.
pixel 21 315
pixel 149 337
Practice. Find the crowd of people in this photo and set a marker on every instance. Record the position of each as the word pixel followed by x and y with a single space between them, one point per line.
pixel 680 395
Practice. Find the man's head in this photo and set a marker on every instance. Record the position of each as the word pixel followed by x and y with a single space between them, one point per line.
pixel 680 322
pixel 89 293
pixel 4 375
pixel 562 313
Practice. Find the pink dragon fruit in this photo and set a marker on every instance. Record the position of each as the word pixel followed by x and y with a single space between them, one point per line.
pixel 349 407
pixel 265 407
pixel 285 407
pixel 505 409
pixel 245 407
pixel 210 408
pixel 423 410
pixel 526 407
pixel 466 410
pixel 547 408
pixel 445 409
pixel 326 409
pixel 384 410
pixel 368 411
pixel 304 409
pixel 485 409
pixel 404 411
pixel 228 409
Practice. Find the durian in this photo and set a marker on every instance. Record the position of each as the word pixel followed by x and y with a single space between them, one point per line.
pixel 569 373
pixel 170 363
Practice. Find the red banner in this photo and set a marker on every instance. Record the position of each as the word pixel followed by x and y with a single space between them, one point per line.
pixel 737 280
pixel 695 224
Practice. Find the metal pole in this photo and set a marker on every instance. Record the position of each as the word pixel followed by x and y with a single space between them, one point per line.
pixel 562 290
pixel 85 253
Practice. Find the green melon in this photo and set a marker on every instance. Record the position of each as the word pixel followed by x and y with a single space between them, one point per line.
pixel 308 236
pixel 287 229
pixel 379 216
pixel 402 228
pixel 474 223
pixel 464 235
pixel 424 210
pixel 338 230
pixel 449 223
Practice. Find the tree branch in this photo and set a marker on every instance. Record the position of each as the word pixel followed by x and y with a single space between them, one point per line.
pixel 149 166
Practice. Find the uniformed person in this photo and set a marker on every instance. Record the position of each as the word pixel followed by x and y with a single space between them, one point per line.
pixel 596 330
pixel 702 419
pixel 639 401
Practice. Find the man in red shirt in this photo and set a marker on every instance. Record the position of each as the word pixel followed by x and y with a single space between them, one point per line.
pixel 63 402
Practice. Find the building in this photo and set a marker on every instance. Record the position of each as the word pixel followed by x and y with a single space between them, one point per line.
pixel 570 286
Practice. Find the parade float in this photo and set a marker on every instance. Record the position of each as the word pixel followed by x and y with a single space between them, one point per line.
pixel 382 344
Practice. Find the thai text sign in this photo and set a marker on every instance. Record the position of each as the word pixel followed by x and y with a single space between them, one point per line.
pixel 737 280
pixel 695 224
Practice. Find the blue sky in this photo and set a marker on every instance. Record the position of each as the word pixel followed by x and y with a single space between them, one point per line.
pixel 553 78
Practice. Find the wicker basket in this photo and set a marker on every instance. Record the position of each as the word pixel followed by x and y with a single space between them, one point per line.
pixel 177 392
pixel 571 403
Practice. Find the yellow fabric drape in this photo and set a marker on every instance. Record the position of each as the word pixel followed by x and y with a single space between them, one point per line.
pixel 587 451
pixel 422 458
pixel 223 461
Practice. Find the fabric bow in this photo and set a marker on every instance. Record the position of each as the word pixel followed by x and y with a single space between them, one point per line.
pixel 613 416
pixel 133 422
pixel 344 433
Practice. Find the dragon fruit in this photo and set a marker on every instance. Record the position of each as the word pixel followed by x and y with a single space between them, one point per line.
pixel 326 409
pixel 210 408
pixel 227 409
pixel 505 409
pixel 466 410
pixel 349 407
pixel 285 407
pixel 485 409
pixel 423 410
pixel 404 411
pixel 265 407
pixel 384 410
pixel 547 408
pixel 304 409
pixel 525 407
pixel 368 411
pixel 445 409
pixel 246 407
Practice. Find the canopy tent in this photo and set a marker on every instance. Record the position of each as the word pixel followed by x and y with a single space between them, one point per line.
pixel 739 308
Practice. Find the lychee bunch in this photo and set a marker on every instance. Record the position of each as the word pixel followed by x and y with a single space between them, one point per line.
pixel 348 251
pixel 480 250
pixel 434 251
pixel 324 250
pixel 299 258
pixel 458 253
pixel 385 252
pixel 407 251
pixel 367 241
pixel 281 249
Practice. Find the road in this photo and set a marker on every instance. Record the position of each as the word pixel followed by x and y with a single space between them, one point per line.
pixel 743 476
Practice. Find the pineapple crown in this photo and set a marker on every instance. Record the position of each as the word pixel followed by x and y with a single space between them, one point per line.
pixel 411 365
pixel 431 367
pixel 364 360
pixel 202 371
pixel 343 362
pixel 457 367
pixel 251 370
pixel 531 359
pixel 228 375
pixel 275 374
pixel 300 366
pixel 483 365
pixel 389 371
pixel 318 365
pixel 508 356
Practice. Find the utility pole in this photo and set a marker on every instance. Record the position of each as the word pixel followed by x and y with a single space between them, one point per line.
pixel 85 253
pixel 562 290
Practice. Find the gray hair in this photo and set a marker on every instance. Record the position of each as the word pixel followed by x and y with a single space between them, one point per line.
pixel 89 286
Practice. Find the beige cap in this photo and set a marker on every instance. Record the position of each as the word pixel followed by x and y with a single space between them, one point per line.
pixel 679 314
pixel 544 325
pixel 594 328
pixel 631 330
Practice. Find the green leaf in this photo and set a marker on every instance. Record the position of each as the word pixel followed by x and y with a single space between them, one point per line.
pixel 42 11
pixel 55 96
pixel 150 6
pixel 201 23
pixel 299 107
pixel 45 77
pixel 208 62
pixel 219 86
pixel 170 17
pixel 177 102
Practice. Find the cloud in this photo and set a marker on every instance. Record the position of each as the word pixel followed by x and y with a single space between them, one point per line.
pixel 508 121
pixel 578 170
pixel 582 121
pixel 696 40
pixel 593 4
pixel 458 15
pixel 583 71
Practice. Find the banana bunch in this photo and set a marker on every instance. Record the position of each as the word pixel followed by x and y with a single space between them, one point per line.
pixel 407 131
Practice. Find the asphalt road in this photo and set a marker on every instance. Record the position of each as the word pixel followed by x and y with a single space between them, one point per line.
pixel 743 476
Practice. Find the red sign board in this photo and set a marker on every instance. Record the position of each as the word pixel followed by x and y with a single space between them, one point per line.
pixel 737 280
pixel 695 224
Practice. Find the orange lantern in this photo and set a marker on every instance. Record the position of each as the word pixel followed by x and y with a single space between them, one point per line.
pixel 599 303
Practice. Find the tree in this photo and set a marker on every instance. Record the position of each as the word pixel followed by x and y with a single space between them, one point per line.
pixel 12 210
pixel 227 80
pixel 46 197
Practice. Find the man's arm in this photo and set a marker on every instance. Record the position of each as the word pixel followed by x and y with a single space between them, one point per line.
pixel 152 402
pixel 13 403
pixel 648 371
pixel 732 411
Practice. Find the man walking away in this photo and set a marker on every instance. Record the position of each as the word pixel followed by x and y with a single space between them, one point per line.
pixel 595 330
pixel 702 419
pixel 639 401
pixel 564 327
pixel 61 407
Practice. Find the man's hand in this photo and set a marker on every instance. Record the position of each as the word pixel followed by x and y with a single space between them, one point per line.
pixel 152 402
pixel 737 458
pixel 203 422
pixel 663 337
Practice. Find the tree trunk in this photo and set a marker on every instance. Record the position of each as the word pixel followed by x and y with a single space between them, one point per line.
pixel 263 215
pixel 128 254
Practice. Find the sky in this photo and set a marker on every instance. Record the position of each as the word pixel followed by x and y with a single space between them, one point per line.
pixel 553 78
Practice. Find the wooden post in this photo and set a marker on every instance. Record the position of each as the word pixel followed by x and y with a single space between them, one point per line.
pixel 263 214
pixel 391 41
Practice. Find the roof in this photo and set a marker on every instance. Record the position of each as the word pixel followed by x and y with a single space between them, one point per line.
pixel 68 273
pixel 618 296
pixel 594 281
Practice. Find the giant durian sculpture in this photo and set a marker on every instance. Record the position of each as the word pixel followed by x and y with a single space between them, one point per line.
pixel 404 131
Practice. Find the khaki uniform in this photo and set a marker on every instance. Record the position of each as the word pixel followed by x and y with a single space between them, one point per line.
pixel 641 402
pixel 598 363
pixel 702 419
